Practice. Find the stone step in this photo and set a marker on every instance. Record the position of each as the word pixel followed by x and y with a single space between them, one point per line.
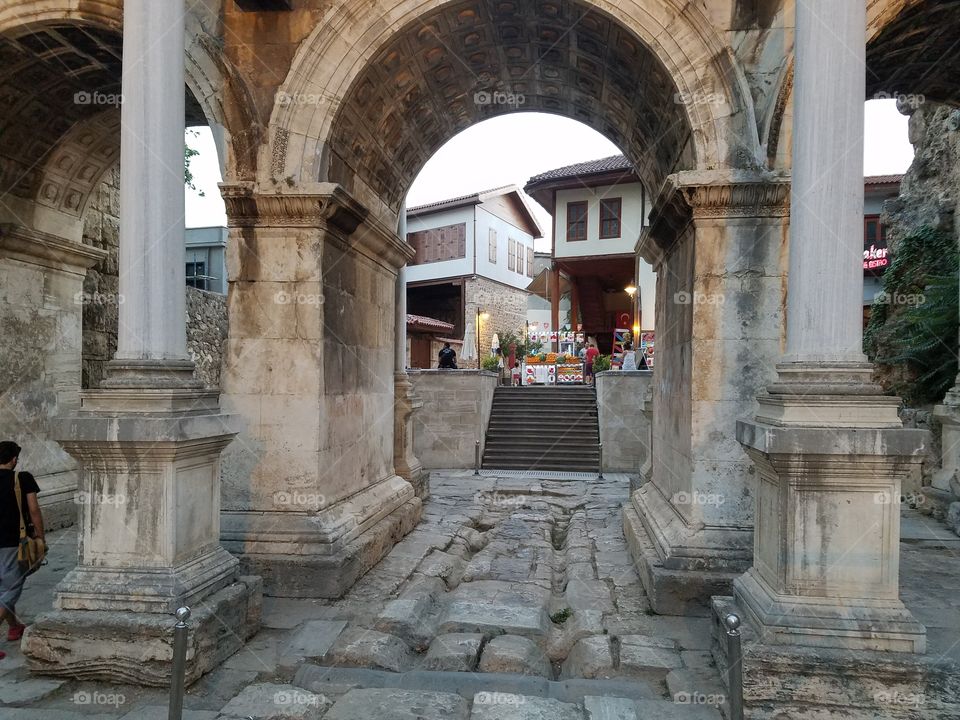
pixel 541 444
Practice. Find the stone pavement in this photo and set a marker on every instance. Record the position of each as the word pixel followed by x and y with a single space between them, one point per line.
pixel 514 599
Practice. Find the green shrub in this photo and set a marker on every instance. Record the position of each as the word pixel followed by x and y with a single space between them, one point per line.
pixel 601 363
pixel 912 334
pixel 490 363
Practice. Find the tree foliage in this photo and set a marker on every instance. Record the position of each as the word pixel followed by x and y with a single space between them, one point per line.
pixel 188 154
pixel 912 334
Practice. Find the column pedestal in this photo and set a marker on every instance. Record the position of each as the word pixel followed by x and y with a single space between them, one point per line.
pixel 149 497
pixel 405 460
pixel 944 487
pixel 821 602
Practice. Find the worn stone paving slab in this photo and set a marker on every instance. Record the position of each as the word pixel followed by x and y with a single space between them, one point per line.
pixel 610 708
pixel 27 691
pixel 314 639
pixel 514 654
pixel 361 647
pixel 399 705
pixel 268 701
pixel 590 658
pixel 454 652
pixel 162 712
pixel 505 706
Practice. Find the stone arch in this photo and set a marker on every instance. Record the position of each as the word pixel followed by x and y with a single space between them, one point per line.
pixel 61 59
pixel 905 40
pixel 670 42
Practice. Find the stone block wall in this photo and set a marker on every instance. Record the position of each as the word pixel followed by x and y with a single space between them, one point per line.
pixel 101 229
pixel 455 413
pixel 506 306
pixel 624 431
pixel 206 312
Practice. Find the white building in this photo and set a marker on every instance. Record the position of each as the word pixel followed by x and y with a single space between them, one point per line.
pixel 474 260
pixel 599 209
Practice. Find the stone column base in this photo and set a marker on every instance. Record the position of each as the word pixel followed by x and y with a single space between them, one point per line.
pixel 793 681
pixel 322 555
pixel 137 648
pixel 820 622
pixel 681 567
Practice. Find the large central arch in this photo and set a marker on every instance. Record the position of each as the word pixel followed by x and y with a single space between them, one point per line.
pixel 372 96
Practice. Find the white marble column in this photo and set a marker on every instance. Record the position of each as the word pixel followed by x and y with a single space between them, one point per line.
pixel 828 445
pixel 152 341
pixel 825 285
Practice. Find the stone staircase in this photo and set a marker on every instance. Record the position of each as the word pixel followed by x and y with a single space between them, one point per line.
pixel 543 428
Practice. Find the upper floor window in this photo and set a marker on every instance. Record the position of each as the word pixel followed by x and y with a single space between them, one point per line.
pixel 576 221
pixel 611 211
pixel 530 262
pixel 439 244
pixel 521 256
pixel 197 275
pixel 492 250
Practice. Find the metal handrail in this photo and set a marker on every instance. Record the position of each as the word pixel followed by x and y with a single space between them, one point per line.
pixel 734 665
pixel 179 671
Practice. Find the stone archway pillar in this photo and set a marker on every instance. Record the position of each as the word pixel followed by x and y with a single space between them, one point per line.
pixel 829 448
pixel 717 242
pixel 148 443
pixel 405 460
pixel 311 495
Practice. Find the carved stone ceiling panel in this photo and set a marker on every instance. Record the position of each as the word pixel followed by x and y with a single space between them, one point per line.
pixel 56 82
pixel 475 60
pixel 918 54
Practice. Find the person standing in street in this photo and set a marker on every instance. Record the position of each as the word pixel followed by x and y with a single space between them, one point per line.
pixel 589 357
pixel 19 514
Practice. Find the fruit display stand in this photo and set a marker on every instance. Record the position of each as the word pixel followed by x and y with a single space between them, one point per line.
pixel 552 369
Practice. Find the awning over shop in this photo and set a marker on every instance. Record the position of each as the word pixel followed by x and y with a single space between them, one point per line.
pixel 540 285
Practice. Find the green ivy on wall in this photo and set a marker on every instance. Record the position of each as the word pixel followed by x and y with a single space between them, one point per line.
pixel 912 334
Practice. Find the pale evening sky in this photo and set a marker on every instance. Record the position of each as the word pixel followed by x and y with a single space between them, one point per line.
pixel 511 149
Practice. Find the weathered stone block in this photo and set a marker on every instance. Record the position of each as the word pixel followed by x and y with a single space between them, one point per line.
pixel 514 654
pixel 268 701
pixel 359 647
pixel 399 705
pixel 453 652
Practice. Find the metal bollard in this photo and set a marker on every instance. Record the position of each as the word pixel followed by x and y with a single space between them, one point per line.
pixel 476 460
pixel 179 671
pixel 600 461
pixel 734 665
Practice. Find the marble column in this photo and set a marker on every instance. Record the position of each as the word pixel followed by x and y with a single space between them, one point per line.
pixel 406 463
pixel 148 442
pixel 830 450
pixel 152 340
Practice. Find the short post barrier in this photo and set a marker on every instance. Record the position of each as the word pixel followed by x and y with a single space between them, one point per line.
pixel 734 666
pixel 179 671
pixel 476 459
pixel 599 461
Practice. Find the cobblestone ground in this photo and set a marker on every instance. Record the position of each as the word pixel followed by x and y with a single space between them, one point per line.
pixel 515 598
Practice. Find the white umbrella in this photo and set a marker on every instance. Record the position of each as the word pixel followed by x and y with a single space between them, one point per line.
pixel 495 343
pixel 469 351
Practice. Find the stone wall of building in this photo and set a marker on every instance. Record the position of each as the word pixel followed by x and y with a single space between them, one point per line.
pixel 624 431
pixel 101 288
pixel 455 413
pixel 206 312
pixel 506 307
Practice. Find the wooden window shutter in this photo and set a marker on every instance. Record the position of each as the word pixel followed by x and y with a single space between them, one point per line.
pixel 492 249
pixel 530 261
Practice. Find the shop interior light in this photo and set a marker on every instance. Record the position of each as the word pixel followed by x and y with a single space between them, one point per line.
pixel 630 289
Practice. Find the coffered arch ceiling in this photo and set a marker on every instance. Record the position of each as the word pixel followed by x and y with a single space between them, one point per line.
pixel 395 96
pixel 917 54
pixel 60 96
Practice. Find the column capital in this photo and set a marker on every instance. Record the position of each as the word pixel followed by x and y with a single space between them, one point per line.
pixel 325 206
pixel 711 195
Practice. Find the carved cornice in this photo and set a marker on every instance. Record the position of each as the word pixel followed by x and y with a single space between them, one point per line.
pixel 329 208
pixel 711 195
pixel 40 248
